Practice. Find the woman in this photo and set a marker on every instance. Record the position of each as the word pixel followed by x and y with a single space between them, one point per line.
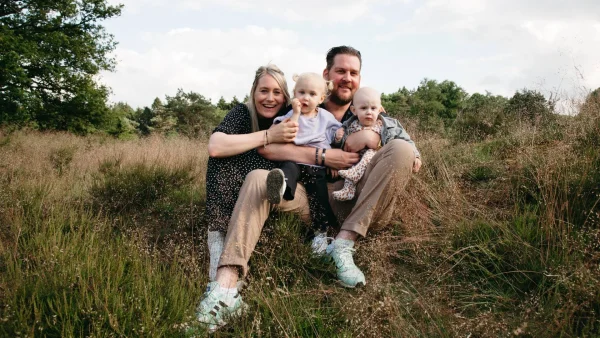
pixel 232 150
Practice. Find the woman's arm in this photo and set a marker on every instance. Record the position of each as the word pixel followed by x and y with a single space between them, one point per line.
pixel 225 145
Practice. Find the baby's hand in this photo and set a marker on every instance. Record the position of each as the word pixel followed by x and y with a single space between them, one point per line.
pixel 333 172
pixel 296 105
pixel 339 134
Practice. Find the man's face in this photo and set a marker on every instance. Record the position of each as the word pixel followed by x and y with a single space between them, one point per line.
pixel 345 75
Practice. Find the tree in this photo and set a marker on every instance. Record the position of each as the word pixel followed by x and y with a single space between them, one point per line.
pixel 480 117
pixel 222 104
pixel 529 106
pixel 397 104
pixel 49 53
pixel 123 122
pixel 194 115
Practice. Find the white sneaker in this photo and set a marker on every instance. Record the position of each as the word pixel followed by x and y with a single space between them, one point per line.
pixel 216 308
pixel 349 275
pixel 275 186
pixel 319 243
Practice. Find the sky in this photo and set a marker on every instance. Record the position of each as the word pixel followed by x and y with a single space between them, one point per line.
pixel 214 47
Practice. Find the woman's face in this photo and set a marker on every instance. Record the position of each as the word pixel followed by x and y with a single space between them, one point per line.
pixel 268 97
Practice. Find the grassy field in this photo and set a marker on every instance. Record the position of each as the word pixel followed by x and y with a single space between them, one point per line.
pixel 101 238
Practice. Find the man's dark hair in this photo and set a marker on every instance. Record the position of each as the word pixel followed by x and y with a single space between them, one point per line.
pixel 341 50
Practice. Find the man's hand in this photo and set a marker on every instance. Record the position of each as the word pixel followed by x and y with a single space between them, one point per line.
pixel 339 159
pixel 361 140
pixel 416 165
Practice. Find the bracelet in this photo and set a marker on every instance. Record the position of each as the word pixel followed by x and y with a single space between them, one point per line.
pixel 265 140
pixel 316 156
pixel 267 137
pixel 323 157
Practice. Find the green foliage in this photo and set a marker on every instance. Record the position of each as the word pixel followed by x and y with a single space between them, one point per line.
pixel 443 100
pixel 121 123
pixel 49 53
pixel 189 114
pixel 482 117
pixel 529 106
pixel 70 275
pixel 137 187
pixel 195 115
pixel 481 173
pixel 61 158
pixel 397 104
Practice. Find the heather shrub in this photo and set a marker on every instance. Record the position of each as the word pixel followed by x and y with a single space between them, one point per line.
pixel 139 186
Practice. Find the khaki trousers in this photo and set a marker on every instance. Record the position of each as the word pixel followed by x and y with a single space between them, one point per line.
pixel 377 191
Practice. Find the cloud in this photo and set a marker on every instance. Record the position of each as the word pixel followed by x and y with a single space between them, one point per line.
pixel 322 12
pixel 544 45
pixel 212 62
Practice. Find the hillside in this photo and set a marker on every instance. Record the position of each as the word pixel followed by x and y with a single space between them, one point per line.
pixel 498 236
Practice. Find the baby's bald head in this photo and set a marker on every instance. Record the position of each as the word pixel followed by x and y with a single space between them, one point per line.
pixel 366 105
pixel 366 94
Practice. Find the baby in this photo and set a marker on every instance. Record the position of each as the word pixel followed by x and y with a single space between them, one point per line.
pixel 366 106
pixel 317 128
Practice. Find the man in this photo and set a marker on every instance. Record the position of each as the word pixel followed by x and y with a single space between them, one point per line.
pixel 385 177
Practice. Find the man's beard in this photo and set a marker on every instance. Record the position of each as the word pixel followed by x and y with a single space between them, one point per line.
pixel 338 100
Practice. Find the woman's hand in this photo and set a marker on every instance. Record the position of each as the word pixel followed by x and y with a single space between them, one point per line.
pixel 283 132
pixel 360 140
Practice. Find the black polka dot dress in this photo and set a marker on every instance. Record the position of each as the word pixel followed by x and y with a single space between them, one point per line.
pixel 225 176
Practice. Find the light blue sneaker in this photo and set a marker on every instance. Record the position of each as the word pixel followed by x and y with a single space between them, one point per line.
pixel 349 275
pixel 216 307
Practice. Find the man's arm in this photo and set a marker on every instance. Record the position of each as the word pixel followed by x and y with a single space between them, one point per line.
pixel 334 158
pixel 288 152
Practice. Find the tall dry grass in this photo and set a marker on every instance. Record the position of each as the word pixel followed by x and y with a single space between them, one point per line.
pixel 499 237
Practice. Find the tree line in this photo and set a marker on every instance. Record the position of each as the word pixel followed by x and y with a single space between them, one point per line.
pixel 50 52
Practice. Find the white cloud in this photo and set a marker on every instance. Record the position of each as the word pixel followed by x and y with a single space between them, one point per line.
pixel 323 12
pixel 211 62
pixel 535 44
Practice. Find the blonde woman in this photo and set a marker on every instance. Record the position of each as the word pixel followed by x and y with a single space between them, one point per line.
pixel 232 150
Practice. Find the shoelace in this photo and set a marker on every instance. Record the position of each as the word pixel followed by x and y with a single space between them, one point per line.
pixel 345 255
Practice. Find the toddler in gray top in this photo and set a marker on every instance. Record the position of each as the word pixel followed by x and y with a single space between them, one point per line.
pixel 317 128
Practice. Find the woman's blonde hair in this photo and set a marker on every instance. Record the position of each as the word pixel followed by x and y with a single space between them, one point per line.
pixel 279 77
pixel 327 85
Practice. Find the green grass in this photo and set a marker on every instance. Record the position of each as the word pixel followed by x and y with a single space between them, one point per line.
pixel 494 238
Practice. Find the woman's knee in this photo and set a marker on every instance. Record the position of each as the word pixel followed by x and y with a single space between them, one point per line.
pixel 257 175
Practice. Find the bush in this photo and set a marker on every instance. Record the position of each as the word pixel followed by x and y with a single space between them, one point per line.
pixel 137 187
pixel 61 158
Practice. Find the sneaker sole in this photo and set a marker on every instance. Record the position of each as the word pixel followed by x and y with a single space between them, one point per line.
pixel 275 180
pixel 358 285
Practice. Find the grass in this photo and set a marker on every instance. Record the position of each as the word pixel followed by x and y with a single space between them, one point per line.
pixel 498 237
